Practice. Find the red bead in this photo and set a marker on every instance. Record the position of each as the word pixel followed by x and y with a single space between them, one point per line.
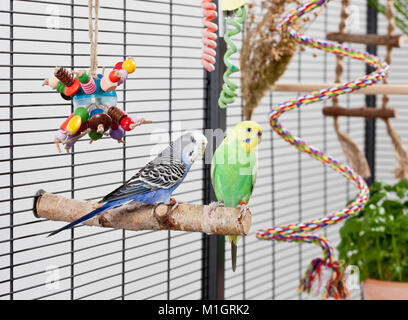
pixel 83 127
pixel 126 122
pixel 114 126
pixel 118 66
pixel 113 77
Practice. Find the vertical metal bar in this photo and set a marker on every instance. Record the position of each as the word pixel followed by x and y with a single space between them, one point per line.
pixel 213 246
pixel 273 204
pixel 370 124
pixel 300 172
pixel 124 151
pixel 11 124
pixel 170 133
pixel 72 157
pixel 325 178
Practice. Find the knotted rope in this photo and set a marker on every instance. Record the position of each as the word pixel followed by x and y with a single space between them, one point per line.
pixel 299 232
pixel 93 35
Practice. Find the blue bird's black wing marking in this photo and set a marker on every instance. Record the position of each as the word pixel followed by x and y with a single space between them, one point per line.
pixel 154 176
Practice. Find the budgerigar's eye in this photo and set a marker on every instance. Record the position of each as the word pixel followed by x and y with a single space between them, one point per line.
pixel 193 140
pixel 249 129
pixel 191 153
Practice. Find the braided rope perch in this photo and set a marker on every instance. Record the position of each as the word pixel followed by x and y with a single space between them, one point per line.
pixel 299 232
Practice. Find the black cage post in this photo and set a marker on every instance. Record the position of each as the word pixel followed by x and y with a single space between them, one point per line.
pixel 370 100
pixel 216 118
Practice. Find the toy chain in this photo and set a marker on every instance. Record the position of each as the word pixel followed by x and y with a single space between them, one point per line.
pixel 299 232
pixel 235 19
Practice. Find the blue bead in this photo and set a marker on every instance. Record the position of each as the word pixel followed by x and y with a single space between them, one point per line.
pixel 95 111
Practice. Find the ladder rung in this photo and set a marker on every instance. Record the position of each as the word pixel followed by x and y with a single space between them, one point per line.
pixel 368 39
pixel 364 112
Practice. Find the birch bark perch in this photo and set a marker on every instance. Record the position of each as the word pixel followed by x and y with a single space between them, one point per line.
pixel 186 217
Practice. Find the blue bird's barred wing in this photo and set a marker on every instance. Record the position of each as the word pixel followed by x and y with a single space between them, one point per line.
pixel 157 174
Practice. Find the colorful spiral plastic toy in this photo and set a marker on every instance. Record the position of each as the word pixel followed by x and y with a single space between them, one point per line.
pixel 299 232
pixel 209 35
pixel 235 19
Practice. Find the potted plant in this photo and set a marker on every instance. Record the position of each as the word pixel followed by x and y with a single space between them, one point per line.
pixel 376 241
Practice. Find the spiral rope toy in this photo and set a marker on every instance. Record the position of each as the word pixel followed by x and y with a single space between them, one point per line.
pixel 209 35
pixel 235 18
pixel 300 232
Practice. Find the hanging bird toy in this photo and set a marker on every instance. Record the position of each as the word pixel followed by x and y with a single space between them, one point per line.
pixel 235 13
pixel 95 100
pixel 93 95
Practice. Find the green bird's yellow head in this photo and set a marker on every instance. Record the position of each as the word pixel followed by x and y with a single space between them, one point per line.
pixel 249 135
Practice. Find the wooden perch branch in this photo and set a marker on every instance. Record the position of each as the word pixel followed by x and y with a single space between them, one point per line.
pixel 310 87
pixel 186 217
pixel 360 112
pixel 368 39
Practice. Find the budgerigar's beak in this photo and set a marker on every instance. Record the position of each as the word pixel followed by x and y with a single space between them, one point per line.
pixel 260 136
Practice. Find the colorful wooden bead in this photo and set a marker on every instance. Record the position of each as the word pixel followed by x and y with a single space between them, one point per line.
pixel 117 134
pixel 107 85
pixel 61 87
pixel 71 143
pixel 63 126
pixel 118 66
pixel 116 114
pixel 94 135
pixel 126 123
pixel 65 97
pixel 129 65
pixel 71 90
pixel 100 122
pixel 87 82
pixel 60 135
pixel 52 82
pixel 114 125
pixel 124 76
pixel 95 111
pixel 82 112
pixel 84 126
pixel 82 76
pixel 115 76
pixel 64 76
pixel 74 124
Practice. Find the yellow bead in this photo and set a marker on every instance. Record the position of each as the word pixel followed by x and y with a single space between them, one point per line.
pixel 74 124
pixel 129 65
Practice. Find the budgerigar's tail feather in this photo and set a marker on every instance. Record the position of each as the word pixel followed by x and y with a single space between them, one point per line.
pixel 234 247
pixel 234 256
pixel 88 216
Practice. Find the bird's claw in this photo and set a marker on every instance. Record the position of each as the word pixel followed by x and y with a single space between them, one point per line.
pixel 243 211
pixel 213 206
pixel 174 204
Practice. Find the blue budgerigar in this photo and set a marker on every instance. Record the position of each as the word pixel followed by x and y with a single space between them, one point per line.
pixel 156 181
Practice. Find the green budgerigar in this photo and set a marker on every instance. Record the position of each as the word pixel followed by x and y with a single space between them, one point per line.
pixel 234 170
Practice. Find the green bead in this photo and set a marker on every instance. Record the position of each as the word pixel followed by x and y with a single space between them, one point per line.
pixel 61 87
pixel 82 112
pixel 94 135
pixel 84 78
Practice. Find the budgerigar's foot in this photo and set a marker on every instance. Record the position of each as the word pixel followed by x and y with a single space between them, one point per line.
pixel 174 204
pixel 243 211
pixel 213 206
